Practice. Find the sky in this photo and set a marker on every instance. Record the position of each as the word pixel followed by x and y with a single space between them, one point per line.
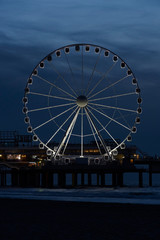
pixel 29 30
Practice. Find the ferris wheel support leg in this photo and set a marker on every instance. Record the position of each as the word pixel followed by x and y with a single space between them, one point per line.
pixel 94 136
pixel 67 133
pixel 99 135
pixel 68 138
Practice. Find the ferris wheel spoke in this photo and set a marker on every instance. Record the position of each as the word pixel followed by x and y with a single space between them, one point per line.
pixel 94 134
pixel 82 72
pixel 101 79
pixel 81 132
pixel 111 85
pixel 41 125
pixel 117 108
pixel 51 96
pixel 46 108
pixel 97 132
pixel 89 68
pixel 105 115
pixel 103 127
pixel 61 126
pixel 69 66
pixel 123 117
pixel 113 96
pixel 67 133
pixel 60 89
pixel 101 109
pixel 68 138
pixel 65 81
pixel 91 77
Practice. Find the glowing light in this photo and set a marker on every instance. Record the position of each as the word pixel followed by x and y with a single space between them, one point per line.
pixel 131 160
pixel 14 157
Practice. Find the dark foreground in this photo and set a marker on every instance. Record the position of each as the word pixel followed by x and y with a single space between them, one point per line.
pixel 36 219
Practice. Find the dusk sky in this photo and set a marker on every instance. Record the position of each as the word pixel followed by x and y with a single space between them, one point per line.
pixel 29 30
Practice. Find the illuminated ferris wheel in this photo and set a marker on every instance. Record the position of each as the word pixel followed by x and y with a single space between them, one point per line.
pixel 81 93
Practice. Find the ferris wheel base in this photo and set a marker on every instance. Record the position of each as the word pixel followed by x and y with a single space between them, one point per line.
pixel 82 160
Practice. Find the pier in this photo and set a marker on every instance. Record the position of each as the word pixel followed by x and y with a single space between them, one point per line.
pixel 79 175
pixel 24 165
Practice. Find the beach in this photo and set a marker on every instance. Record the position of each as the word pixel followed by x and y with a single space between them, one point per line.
pixel 56 220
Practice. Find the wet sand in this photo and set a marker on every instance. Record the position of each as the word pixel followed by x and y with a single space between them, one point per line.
pixel 38 219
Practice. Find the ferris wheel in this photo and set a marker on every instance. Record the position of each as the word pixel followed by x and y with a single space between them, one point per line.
pixel 81 93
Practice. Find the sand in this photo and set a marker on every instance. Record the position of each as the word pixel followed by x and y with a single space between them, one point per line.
pixel 38 219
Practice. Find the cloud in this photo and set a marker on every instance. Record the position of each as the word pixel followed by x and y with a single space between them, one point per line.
pixel 32 29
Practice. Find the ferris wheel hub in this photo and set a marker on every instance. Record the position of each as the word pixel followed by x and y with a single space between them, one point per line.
pixel 82 101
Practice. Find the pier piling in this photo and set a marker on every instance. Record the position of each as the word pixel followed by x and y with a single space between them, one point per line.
pixel 140 179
